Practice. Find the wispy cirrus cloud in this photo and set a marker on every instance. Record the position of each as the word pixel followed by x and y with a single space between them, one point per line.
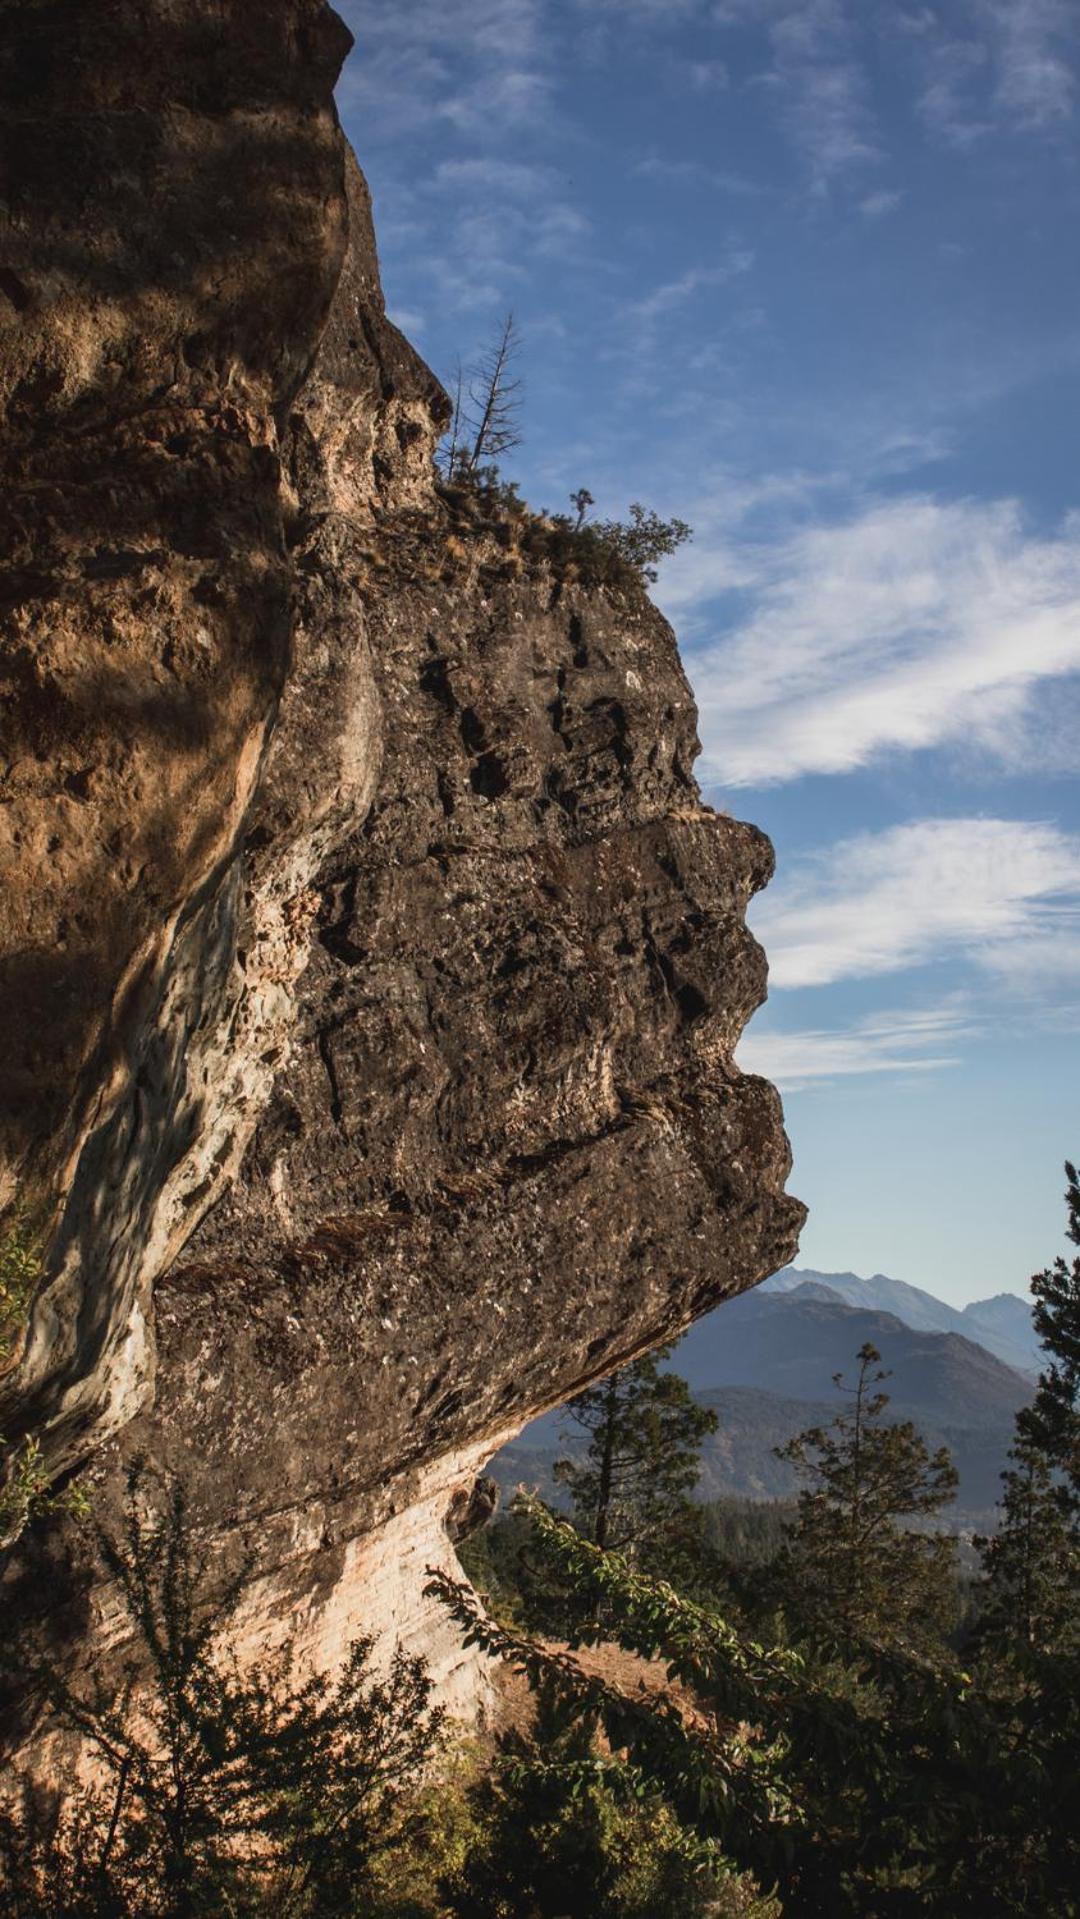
pixel 990 63
pixel 876 205
pixel 926 891
pixel 818 78
pixel 902 1041
pixel 480 65
pixel 682 173
pixel 914 623
pixel 1035 44
pixel 676 293
pixel 475 226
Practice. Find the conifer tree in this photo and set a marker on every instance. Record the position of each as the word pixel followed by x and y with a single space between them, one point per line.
pixel 849 1568
pixel 645 1432
pixel 217 1793
pixel 1033 1561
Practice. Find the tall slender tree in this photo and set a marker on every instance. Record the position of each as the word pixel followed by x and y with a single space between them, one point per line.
pixel 486 421
pixel 643 1458
pixel 1032 1563
pixel 850 1568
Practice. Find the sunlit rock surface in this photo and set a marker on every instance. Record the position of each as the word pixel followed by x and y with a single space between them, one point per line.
pixel 372 970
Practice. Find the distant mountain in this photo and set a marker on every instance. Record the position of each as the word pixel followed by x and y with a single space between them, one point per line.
pixel 738 1459
pixel 765 1363
pixel 1002 1324
pixel 792 1343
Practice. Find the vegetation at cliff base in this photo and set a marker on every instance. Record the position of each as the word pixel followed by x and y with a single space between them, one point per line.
pixel 833 1720
pixel 731 1717
pixel 218 1793
pixel 20 1273
pixel 26 1489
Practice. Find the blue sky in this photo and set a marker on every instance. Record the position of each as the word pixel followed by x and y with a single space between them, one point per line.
pixel 807 275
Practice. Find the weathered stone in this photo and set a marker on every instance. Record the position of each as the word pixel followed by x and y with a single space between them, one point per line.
pixel 374 970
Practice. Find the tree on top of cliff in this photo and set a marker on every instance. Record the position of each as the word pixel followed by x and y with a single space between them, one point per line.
pixel 487 407
pixel 639 542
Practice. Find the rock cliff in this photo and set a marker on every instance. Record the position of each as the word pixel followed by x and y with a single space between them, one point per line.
pixel 372 969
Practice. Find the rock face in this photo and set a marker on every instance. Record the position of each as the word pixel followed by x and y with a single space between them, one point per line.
pixel 372 969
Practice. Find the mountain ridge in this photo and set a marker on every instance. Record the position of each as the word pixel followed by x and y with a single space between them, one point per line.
pixel 1002 1323
pixel 793 1345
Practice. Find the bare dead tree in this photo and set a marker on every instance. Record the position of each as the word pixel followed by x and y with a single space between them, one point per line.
pixel 490 422
pixel 449 457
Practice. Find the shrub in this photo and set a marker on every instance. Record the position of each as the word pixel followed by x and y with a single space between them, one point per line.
pixel 222 1794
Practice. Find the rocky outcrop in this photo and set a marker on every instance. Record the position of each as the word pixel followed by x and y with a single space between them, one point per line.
pixel 373 968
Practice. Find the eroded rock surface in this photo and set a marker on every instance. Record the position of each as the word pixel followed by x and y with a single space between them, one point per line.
pixel 373 969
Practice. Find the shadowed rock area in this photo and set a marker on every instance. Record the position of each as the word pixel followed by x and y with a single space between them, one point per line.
pixel 372 969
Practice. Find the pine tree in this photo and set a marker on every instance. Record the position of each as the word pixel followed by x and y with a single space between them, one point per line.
pixel 1052 1423
pixel 645 1431
pixel 1033 1561
pixel 849 1568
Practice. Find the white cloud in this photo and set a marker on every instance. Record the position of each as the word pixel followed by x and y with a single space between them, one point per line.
pixel 488 219
pixel 695 172
pixel 479 64
pixel 818 78
pixel 506 96
pixel 706 76
pixel 489 176
pixel 409 322
pixel 887 1042
pixel 930 890
pixel 1010 62
pixel 875 205
pixel 677 292
pixel 913 624
pixel 955 68
pixel 1035 83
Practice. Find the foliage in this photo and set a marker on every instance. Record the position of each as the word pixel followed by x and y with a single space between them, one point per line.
pixel 1032 1608
pixel 849 1568
pixel 878 1782
pixel 746 1534
pixel 569 1829
pixel 224 1794
pixel 640 542
pixel 521 1585
pixel 632 1490
pixel 26 1492
pixel 614 550
pixel 485 425
pixel 25 1483
pixel 20 1272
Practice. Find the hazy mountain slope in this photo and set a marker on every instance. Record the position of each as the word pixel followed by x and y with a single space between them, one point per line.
pixel 765 1364
pixel 739 1460
pixel 1004 1324
pixel 915 1307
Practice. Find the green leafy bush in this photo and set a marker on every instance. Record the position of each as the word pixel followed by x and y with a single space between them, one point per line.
pixel 862 1780
pixel 566 1828
pixel 20 1272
